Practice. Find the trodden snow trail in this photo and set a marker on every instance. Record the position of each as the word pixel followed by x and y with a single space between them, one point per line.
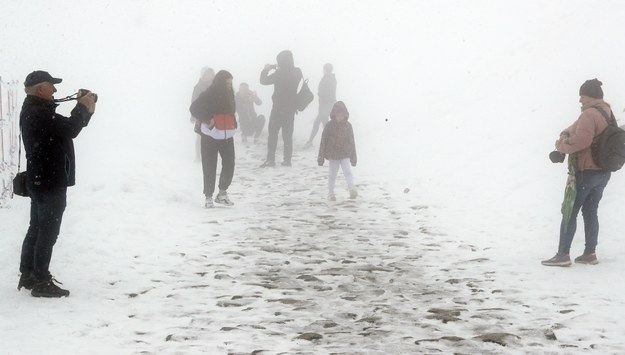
pixel 285 271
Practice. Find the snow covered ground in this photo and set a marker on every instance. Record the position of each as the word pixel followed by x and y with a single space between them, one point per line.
pixel 455 108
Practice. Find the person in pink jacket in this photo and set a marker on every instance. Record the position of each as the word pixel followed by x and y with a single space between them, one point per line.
pixel 590 179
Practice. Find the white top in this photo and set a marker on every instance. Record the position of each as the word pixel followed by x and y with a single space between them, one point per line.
pixel 217 133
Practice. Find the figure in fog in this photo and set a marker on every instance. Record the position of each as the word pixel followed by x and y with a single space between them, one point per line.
pixel 206 79
pixel 327 98
pixel 214 109
pixel 586 180
pixel 339 148
pixel 252 124
pixel 285 79
pixel 51 168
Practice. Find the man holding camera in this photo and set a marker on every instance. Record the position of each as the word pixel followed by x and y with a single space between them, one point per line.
pixel 586 179
pixel 48 141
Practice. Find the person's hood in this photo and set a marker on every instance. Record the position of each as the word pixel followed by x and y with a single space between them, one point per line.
pixel 285 59
pixel 338 107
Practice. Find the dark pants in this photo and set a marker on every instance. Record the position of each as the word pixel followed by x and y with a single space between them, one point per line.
pixel 46 213
pixel 210 148
pixel 589 185
pixel 280 118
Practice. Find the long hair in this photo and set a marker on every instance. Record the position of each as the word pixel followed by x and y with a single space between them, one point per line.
pixel 221 93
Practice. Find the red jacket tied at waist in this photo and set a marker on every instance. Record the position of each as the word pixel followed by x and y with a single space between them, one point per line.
pixel 225 122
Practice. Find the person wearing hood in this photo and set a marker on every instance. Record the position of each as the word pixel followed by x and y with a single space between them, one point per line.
pixel 589 179
pixel 48 141
pixel 285 79
pixel 327 98
pixel 206 79
pixel 339 148
pixel 215 108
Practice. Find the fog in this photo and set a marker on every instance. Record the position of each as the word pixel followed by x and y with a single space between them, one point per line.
pixel 458 101
pixel 419 71
pixel 437 90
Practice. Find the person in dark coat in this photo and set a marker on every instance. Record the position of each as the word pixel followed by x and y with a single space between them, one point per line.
pixel 339 148
pixel 48 141
pixel 215 108
pixel 285 80
pixel 327 98
pixel 251 123
pixel 205 80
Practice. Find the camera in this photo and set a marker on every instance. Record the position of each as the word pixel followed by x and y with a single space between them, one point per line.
pixel 83 92
pixel 556 157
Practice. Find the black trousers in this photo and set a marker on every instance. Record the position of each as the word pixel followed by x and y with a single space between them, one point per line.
pixel 211 148
pixel 46 214
pixel 280 118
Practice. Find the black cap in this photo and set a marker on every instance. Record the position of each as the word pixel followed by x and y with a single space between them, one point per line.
pixel 591 88
pixel 40 76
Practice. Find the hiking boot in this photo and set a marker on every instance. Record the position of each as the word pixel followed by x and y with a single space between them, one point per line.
pixel 222 198
pixel 286 163
pixel 268 164
pixel 209 203
pixel 353 194
pixel 49 289
pixel 27 281
pixel 590 259
pixel 331 197
pixel 558 260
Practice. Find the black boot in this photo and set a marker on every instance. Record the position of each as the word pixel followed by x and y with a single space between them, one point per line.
pixel 48 288
pixel 27 281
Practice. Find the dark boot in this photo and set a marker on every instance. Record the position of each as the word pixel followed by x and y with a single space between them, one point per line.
pixel 48 288
pixel 27 281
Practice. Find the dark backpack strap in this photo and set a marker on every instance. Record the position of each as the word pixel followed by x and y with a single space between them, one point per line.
pixel 610 119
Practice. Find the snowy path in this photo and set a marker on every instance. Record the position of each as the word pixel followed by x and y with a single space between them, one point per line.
pixel 283 271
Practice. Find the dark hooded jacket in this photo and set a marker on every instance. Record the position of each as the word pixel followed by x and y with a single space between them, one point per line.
pixel 48 141
pixel 327 90
pixel 337 139
pixel 285 80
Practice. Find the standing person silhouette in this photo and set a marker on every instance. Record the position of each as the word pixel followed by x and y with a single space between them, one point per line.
pixel 327 98
pixel 206 79
pixel 285 80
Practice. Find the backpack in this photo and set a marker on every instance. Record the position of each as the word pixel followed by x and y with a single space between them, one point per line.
pixel 608 148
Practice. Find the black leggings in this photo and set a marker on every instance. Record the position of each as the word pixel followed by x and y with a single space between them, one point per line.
pixel 210 148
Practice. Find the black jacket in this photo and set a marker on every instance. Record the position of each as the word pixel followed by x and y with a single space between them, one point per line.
pixel 327 90
pixel 48 143
pixel 285 81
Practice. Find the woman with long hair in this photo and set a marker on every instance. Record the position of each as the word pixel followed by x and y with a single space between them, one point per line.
pixel 215 108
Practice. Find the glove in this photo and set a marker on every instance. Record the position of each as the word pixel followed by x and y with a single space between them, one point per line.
pixel 320 161
pixel 353 163
pixel 556 157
